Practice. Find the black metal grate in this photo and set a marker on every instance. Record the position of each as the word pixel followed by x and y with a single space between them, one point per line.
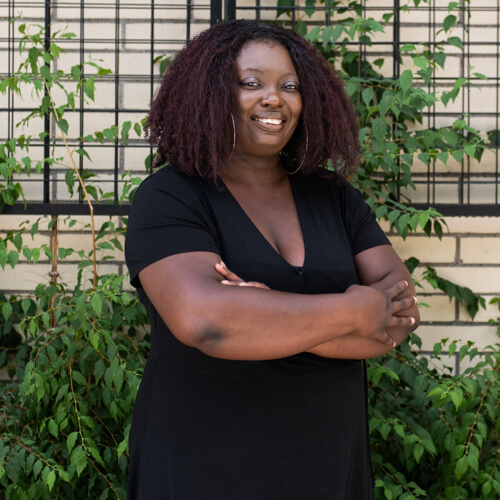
pixel 130 35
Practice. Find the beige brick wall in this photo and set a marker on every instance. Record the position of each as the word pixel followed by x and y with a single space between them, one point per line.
pixel 468 254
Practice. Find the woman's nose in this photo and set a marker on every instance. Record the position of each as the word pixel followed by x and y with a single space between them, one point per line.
pixel 272 97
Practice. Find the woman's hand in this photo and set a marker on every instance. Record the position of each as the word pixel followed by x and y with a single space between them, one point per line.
pixel 378 309
pixel 232 279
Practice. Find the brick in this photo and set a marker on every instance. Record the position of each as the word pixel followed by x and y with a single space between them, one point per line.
pixel 14 222
pixel 474 225
pixel 480 250
pixel 136 94
pixel 24 277
pixel 479 279
pixel 425 249
pixel 440 308
pixel 481 335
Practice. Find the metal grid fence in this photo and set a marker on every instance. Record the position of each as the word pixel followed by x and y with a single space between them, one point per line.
pixel 132 38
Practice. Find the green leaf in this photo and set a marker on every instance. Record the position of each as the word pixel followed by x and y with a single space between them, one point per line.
pixel 331 34
pixel 418 451
pixel 63 125
pixel 25 305
pixel 408 47
pixel 436 391
pixel 33 59
pixel 51 478
pixel 458 154
pixel 457 397
pixel 443 157
pixel 70 442
pixel 421 62
pixel 52 426
pixel 379 128
pixel 451 137
pixel 470 150
pixel 461 468
pixel 96 303
pixel 78 377
pixel 449 22
pixel 13 257
pixel 37 467
pixel 79 459
pixel 89 88
pixel 440 58
pixel 76 73
pixel 7 310
pixel 386 103
pixel 456 42
pixel 405 80
pixel 125 131
pixel 367 95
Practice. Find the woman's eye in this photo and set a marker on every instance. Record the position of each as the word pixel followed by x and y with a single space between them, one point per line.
pixel 291 86
pixel 249 84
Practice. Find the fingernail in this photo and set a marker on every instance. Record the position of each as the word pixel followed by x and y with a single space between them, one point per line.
pixel 225 282
pixel 243 283
pixel 412 321
pixel 222 264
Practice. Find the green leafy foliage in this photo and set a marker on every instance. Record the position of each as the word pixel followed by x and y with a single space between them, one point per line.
pixel 78 379
pixel 35 75
pixel 74 356
pixel 435 435
pixel 392 112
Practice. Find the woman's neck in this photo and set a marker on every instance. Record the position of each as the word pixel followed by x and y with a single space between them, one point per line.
pixel 254 171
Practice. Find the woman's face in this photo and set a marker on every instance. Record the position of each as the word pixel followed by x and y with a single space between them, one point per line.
pixel 269 98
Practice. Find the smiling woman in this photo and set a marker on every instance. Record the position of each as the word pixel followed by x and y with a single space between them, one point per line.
pixel 254 388
pixel 269 98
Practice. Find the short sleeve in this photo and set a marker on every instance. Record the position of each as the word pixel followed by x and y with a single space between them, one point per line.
pixel 169 216
pixel 362 224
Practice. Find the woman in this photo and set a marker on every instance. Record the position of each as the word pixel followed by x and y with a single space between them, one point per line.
pixel 257 391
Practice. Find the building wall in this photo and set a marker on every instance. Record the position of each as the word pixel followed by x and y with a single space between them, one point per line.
pixel 469 252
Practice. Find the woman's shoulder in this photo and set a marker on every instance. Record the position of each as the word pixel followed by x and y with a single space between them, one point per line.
pixel 170 175
pixel 168 180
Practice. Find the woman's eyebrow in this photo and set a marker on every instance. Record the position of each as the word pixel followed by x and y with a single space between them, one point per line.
pixel 257 70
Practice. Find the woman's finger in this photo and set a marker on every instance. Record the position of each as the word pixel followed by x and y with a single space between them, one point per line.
pixel 401 321
pixel 383 337
pixel 221 268
pixel 405 303
pixel 255 284
pixel 396 289
pixel 234 280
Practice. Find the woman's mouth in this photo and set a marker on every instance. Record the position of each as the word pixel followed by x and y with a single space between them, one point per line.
pixel 269 123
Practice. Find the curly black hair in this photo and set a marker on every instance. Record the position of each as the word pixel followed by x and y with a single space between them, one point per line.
pixel 190 117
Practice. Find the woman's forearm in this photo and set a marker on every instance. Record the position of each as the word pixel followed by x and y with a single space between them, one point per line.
pixel 249 323
pixel 354 347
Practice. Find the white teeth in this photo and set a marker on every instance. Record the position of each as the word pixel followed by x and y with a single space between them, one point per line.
pixel 270 121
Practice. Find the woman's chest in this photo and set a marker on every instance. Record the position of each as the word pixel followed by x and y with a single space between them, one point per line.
pixel 328 263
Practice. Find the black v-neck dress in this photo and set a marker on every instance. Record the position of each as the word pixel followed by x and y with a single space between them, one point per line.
pixel 212 429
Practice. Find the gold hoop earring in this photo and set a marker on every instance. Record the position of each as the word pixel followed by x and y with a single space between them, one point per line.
pixel 234 133
pixel 303 158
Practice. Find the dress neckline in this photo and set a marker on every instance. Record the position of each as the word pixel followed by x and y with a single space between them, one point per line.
pixel 257 230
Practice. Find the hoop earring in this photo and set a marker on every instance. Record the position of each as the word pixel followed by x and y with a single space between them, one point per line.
pixel 304 157
pixel 234 133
